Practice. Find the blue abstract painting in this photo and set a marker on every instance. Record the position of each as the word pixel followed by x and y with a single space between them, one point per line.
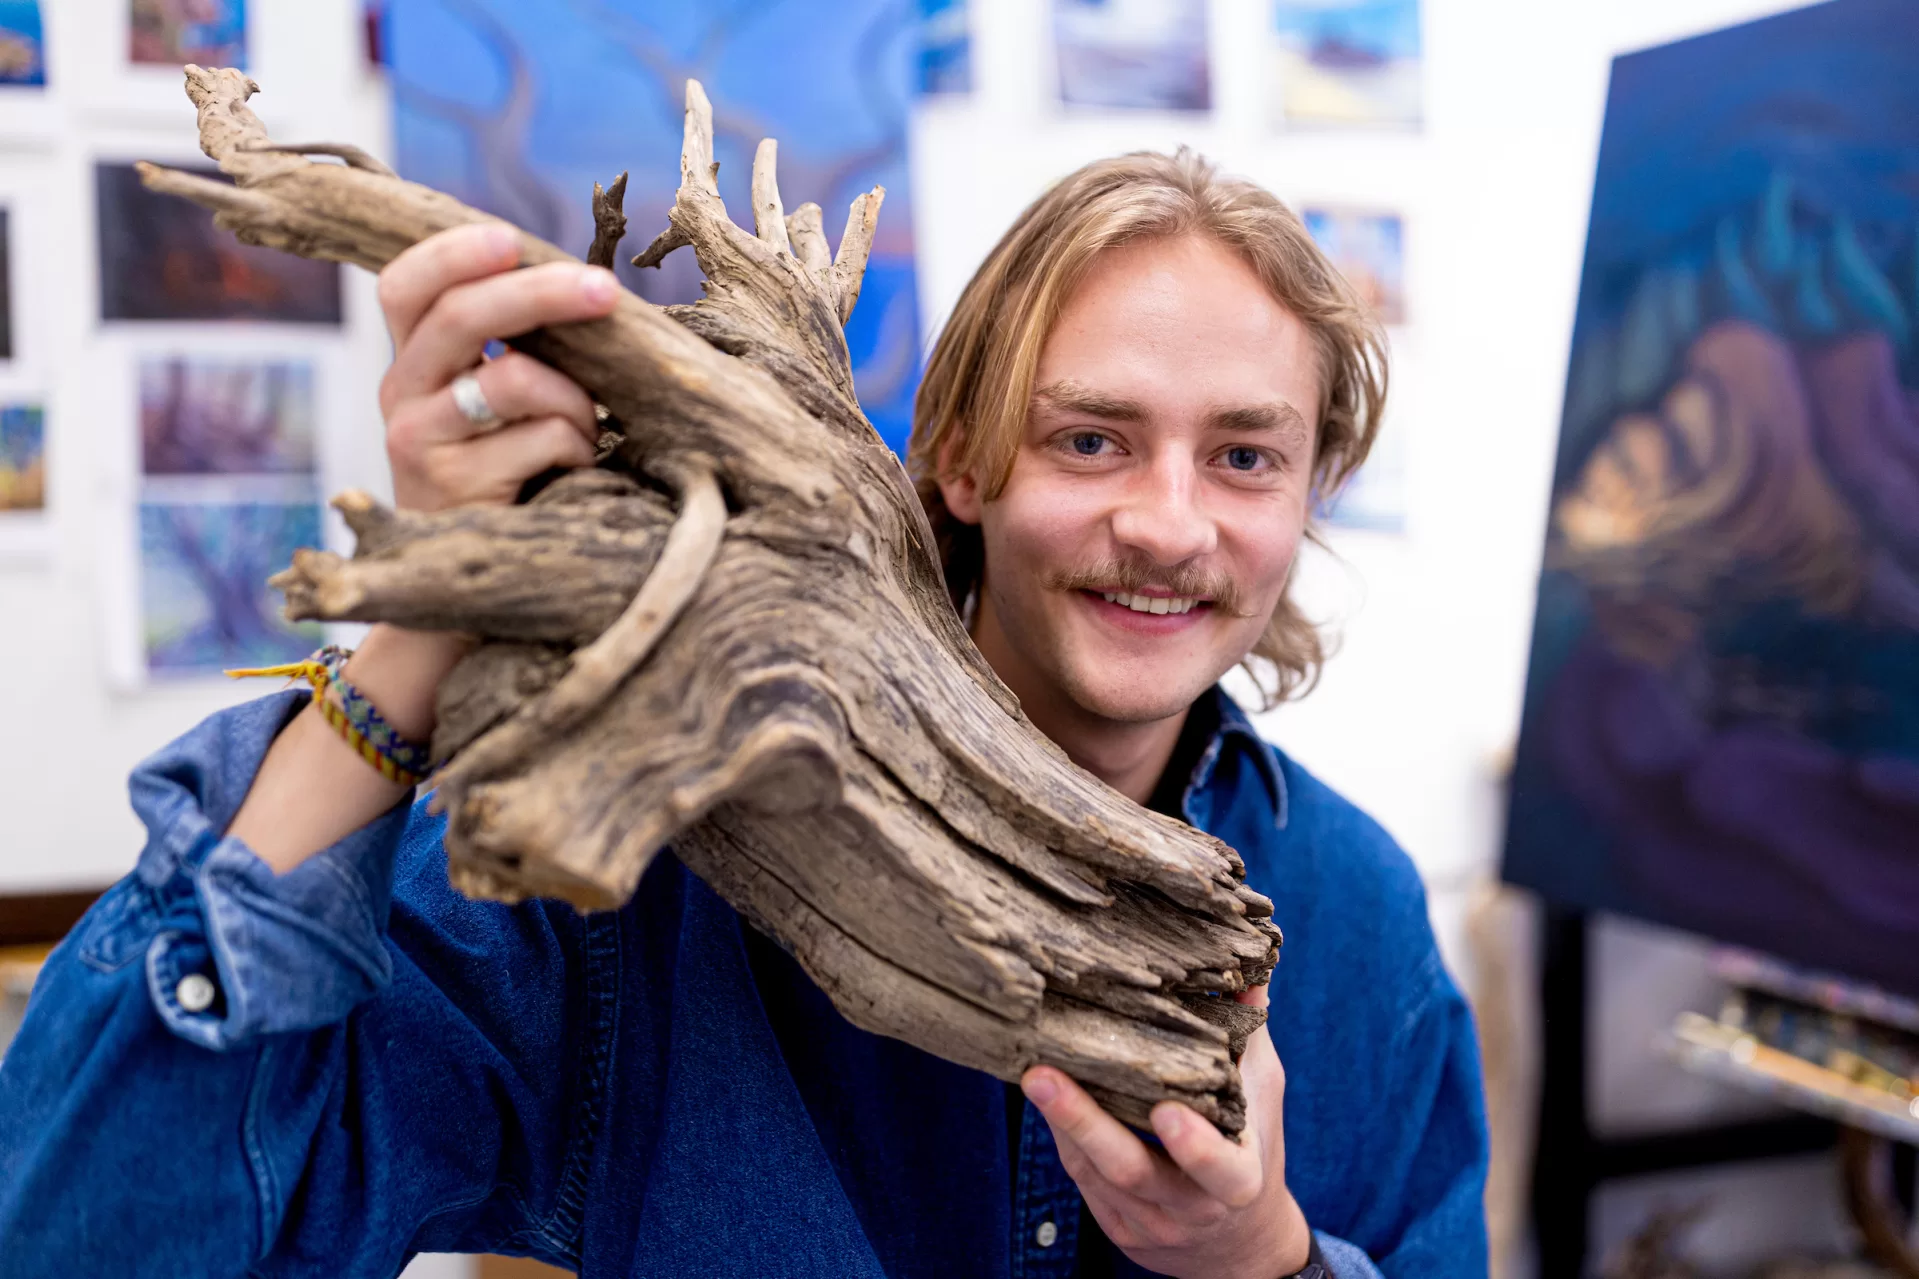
pixel 1721 726
pixel 519 108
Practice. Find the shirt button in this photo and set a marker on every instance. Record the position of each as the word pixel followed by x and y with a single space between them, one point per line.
pixel 1046 1235
pixel 195 992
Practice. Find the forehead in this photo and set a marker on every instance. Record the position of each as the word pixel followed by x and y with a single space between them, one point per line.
pixel 1178 324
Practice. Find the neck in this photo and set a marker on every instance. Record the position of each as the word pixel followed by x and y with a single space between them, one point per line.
pixel 1127 755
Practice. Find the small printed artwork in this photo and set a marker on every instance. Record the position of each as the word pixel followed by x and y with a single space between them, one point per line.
pixel 205 602
pixel 1347 62
pixel 1369 250
pixel 224 417
pixel 211 33
pixel 946 47
pixel 1133 53
pixel 1374 499
pixel 161 258
pixel 23 458
pixel 23 55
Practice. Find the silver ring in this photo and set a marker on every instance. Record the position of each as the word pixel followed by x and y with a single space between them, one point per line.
pixel 472 403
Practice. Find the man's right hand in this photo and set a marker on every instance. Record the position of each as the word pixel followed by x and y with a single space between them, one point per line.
pixel 445 299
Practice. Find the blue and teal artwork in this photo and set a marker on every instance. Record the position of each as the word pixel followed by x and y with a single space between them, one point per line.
pixel 205 602
pixel 23 50
pixel 1721 726
pixel 519 108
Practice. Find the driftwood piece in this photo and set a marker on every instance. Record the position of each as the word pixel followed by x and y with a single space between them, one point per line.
pixel 734 637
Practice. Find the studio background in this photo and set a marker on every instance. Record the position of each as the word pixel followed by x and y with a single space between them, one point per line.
pixel 1418 710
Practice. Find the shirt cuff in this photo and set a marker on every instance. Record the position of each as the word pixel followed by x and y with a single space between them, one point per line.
pixel 233 950
pixel 1344 1260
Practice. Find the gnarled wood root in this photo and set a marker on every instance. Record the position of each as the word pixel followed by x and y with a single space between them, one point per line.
pixel 763 669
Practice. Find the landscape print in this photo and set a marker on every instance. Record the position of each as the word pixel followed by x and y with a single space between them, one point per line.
pixel 205 602
pixel 1347 62
pixel 23 52
pixel 1133 53
pixel 161 258
pixel 203 416
pixel 209 33
pixel 1369 250
pixel 23 458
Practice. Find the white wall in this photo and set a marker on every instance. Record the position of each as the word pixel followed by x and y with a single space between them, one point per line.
pixel 72 735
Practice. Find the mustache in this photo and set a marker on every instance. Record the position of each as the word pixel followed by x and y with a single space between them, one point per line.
pixel 1132 576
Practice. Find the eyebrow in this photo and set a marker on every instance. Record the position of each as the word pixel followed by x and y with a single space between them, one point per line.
pixel 1071 397
pixel 1276 416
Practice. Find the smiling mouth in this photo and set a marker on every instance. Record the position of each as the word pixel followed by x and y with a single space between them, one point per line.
pixel 1174 604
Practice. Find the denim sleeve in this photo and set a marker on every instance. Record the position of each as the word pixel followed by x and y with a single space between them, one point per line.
pixel 224 1071
pixel 1428 1216
pixel 1344 1260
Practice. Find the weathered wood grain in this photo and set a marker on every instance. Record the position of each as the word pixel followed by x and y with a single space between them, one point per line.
pixel 734 638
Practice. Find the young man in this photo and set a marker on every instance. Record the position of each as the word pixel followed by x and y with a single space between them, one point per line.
pixel 284 1046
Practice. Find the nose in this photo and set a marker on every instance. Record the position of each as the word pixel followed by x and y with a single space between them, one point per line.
pixel 1162 515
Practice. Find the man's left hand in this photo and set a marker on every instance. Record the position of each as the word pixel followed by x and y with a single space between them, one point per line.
pixel 1209 1207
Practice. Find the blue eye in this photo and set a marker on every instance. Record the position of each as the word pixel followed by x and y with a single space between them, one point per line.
pixel 1087 444
pixel 1243 458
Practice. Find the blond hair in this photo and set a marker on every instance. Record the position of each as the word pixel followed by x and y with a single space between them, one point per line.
pixel 972 404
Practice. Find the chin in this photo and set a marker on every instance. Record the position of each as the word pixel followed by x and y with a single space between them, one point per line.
pixel 1138 699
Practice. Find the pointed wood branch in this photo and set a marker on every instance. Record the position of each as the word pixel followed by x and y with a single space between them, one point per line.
pixel 769 219
pixel 609 222
pixel 765 671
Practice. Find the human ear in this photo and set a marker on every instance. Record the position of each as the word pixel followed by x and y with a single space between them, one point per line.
pixel 961 493
pixel 958 489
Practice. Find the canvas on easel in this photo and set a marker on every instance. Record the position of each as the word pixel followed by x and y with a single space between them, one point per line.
pixel 1721 725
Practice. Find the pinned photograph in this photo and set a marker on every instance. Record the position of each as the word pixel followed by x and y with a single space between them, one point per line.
pixel 211 33
pixel 23 55
pixel 225 417
pixel 1133 53
pixel 205 602
pixel 1369 250
pixel 23 458
pixel 1347 62
pixel 161 258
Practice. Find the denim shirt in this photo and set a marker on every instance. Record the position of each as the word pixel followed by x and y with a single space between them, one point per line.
pixel 386 1067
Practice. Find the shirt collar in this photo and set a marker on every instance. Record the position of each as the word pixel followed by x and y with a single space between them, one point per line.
pixel 1235 731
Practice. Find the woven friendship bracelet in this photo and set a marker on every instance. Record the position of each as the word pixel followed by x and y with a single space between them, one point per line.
pixel 408 757
pixel 354 717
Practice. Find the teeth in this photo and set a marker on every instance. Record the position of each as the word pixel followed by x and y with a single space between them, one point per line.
pixel 1150 604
